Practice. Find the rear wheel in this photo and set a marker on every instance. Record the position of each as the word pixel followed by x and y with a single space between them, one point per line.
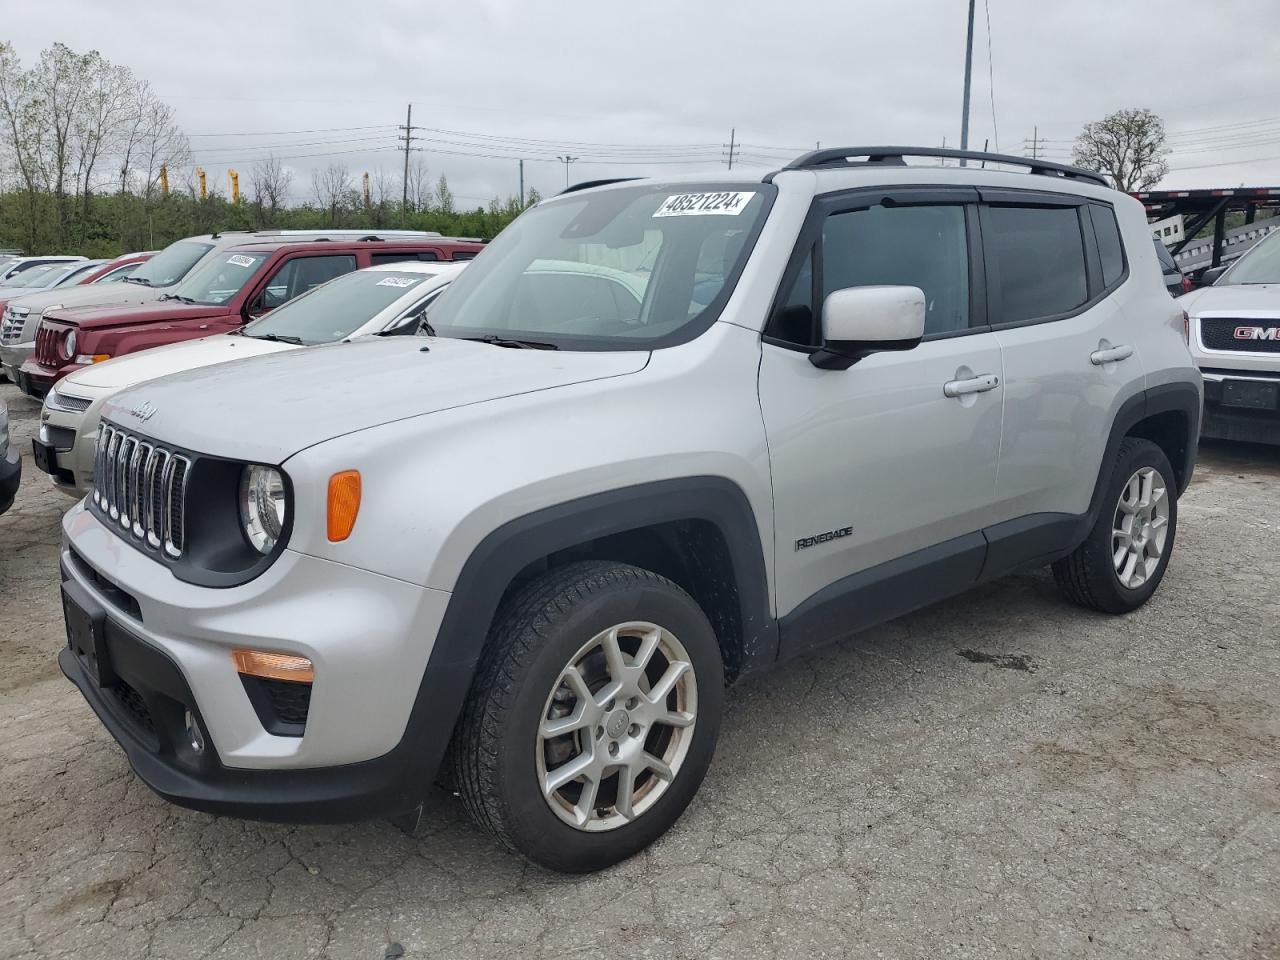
pixel 593 718
pixel 1122 561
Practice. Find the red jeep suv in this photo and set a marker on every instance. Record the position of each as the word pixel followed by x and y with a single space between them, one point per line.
pixel 230 289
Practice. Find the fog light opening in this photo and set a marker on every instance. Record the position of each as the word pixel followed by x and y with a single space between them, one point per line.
pixel 195 736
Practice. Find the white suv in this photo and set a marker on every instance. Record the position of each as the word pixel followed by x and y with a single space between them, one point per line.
pixel 1235 338
pixel 525 551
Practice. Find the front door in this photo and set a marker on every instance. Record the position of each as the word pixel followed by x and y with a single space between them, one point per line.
pixel 898 453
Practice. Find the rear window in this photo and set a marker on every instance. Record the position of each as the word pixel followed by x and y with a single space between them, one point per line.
pixel 1036 258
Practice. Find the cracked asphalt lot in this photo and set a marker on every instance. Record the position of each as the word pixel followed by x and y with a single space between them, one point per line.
pixel 1002 775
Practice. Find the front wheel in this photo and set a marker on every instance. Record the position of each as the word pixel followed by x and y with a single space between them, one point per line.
pixel 593 717
pixel 1122 561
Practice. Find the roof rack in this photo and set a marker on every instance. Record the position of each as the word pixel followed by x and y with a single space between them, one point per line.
pixel 893 156
pixel 588 184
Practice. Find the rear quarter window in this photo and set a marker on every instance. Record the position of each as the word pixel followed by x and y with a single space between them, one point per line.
pixel 1035 261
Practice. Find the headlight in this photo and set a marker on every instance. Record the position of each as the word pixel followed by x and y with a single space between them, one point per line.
pixel 71 344
pixel 262 506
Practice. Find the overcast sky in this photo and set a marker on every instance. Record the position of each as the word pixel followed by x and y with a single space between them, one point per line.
pixel 657 86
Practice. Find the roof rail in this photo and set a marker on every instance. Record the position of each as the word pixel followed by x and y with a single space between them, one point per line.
pixel 588 184
pixel 893 156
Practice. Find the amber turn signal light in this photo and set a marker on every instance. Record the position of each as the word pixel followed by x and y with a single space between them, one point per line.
pixel 344 504
pixel 273 666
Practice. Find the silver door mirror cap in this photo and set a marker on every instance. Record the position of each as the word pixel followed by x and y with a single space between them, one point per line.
pixel 857 321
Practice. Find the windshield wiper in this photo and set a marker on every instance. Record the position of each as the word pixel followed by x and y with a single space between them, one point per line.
pixel 515 344
pixel 142 280
pixel 177 296
pixel 276 338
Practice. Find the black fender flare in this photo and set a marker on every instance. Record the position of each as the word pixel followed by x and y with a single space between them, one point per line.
pixel 512 547
pixel 1181 397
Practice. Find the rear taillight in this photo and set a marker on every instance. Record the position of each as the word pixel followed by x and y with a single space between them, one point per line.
pixel 1186 285
pixel 1186 328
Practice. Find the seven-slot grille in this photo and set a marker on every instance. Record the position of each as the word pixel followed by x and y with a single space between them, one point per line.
pixel 11 327
pixel 1231 333
pixel 47 350
pixel 141 487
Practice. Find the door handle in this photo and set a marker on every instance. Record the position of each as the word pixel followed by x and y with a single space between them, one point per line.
pixel 960 388
pixel 1110 355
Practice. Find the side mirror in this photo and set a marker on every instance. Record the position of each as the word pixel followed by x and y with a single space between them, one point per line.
pixel 1210 276
pixel 858 321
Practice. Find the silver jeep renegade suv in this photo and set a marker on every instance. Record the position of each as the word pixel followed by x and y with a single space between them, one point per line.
pixel 661 434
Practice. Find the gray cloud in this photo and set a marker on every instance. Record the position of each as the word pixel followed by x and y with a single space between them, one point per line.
pixel 543 79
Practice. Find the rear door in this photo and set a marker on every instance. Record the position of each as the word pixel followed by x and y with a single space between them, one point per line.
pixel 876 462
pixel 1053 263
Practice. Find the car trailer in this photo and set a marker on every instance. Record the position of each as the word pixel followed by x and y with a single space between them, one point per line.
pixel 1198 207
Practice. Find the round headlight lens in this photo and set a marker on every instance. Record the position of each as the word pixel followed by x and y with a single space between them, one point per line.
pixel 262 506
pixel 71 344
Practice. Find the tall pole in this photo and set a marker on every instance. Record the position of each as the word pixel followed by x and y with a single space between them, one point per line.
pixel 521 184
pixel 733 132
pixel 968 77
pixel 408 139
pixel 1035 141
pixel 566 160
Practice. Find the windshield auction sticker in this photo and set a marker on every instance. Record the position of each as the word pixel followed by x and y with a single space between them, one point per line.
pixel 397 281
pixel 237 260
pixel 729 202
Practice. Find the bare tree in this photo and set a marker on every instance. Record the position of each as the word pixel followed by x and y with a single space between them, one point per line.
pixel 1128 146
pixel 99 125
pixel 419 185
pixel 25 129
pixel 384 197
pixel 271 181
pixel 332 189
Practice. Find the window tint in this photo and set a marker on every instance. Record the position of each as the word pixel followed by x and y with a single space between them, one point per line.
pixel 1110 249
pixel 1036 258
pixel 921 247
pixel 301 274
pixel 794 321
pixel 403 255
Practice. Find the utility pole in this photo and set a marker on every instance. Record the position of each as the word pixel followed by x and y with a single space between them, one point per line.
pixel 968 77
pixel 407 139
pixel 732 144
pixel 1035 141
pixel 1035 144
pixel 521 184
pixel 566 160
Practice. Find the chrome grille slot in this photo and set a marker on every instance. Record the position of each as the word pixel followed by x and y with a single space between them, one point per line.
pixel 142 486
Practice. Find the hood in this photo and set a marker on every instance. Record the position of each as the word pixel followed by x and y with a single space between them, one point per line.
pixel 1244 299
pixel 270 407
pixel 162 361
pixel 134 314
pixel 88 295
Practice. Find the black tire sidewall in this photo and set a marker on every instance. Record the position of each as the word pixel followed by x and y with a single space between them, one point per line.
pixel 536 830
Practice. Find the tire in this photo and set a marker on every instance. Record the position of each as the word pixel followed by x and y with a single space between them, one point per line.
pixel 1090 576
pixel 502 754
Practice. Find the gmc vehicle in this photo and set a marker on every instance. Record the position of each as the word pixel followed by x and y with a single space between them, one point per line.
pixel 147 283
pixel 237 285
pixel 525 551
pixel 1235 339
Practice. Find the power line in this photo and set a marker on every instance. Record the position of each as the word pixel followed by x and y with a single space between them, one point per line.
pixel 281 133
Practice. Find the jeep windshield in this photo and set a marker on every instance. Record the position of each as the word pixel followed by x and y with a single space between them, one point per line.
pixel 1259 265
pixel 220 278
pixel 338 308
pixel 628 268
pixel 171 264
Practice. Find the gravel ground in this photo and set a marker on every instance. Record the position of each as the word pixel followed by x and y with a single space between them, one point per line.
pixel 1001 775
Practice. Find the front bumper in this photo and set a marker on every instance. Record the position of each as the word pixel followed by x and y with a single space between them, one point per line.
pixel 1226 419
pixel 10 476
pixel 34 379
pixel 13 357
pixel 170 643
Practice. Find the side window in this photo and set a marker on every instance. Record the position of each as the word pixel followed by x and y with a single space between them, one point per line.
pixel 1110 249
pixel 922 246
pixel 1035 258
pixel 402 256
pixel 299 275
